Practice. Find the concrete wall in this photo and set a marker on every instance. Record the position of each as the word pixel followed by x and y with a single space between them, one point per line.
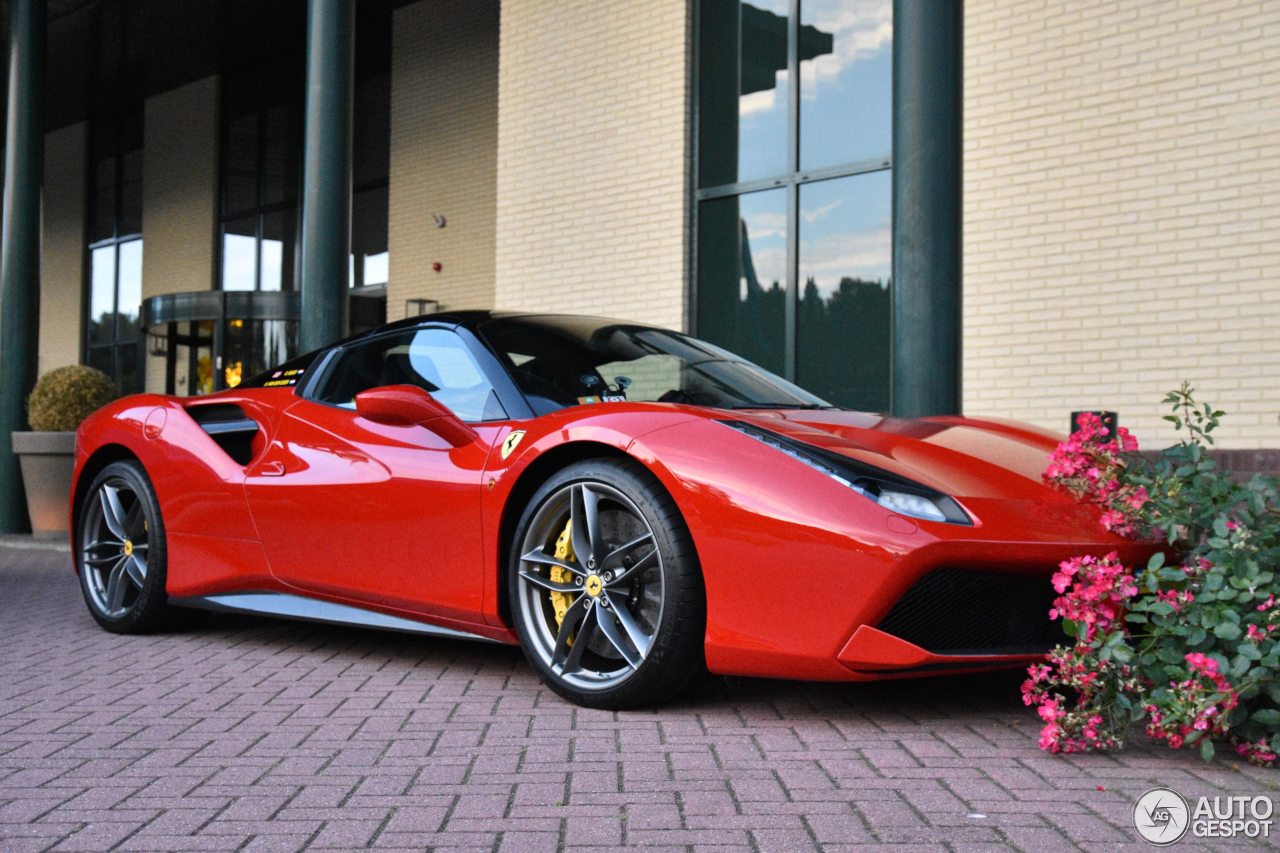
pixel 444 153
pixel 1122 207
pixel 62 248
pixel 593 158
pixel 179 196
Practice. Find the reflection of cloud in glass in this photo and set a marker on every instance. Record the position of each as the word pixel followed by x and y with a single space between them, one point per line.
pixel 861 29
pixel 861 255
pixel 815 214
pixel 763 225
pixel 845 230
pixel 759 102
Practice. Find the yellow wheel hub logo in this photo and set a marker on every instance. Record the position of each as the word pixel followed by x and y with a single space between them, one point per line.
pixel 128 548
pixel 594 585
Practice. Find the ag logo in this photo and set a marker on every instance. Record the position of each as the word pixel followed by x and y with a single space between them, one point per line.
pixel 511 443
pixel 1161 816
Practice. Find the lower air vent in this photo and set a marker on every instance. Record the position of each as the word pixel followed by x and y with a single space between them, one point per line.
pixel 956 611
pixel 229 427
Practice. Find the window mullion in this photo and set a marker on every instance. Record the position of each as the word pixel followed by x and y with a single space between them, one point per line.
pixel 793 201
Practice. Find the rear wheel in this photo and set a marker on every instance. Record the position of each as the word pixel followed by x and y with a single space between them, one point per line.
pixel 606 594
pixel 122 551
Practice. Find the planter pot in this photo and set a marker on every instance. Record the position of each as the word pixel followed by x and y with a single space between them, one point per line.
pixel 47 460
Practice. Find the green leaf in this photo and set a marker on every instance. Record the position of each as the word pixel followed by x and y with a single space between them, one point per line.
pixel 1156 561
pixel 1206 749
pixel 1227 631
pixel 1220 527
pixel 1196 636
pixel 1266 717
pixel 1273 691
pixel 1249 651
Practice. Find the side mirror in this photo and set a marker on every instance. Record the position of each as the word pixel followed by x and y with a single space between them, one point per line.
pixel 406 405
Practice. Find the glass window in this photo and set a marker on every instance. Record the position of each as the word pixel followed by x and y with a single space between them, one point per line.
pixel 262 164
pixel 846 95
pixel 842 335
pixel 435 360
pixel 745 93
pixel 742 275
pixel 113 335
pixel 252 346
pixel 240 254
pixel 793 265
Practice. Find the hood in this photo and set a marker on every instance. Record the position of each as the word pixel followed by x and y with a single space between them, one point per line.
pixel 962 457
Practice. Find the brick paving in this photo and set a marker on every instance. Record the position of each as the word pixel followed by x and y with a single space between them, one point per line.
pixel 264 735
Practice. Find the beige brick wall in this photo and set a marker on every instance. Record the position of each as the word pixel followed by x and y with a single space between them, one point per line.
pixel 62 248
pixel 444 150
pixel 1122 210
pixel 592 158
pixel 179 196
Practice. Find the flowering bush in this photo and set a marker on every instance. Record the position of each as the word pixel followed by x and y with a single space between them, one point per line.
pixel 1190 643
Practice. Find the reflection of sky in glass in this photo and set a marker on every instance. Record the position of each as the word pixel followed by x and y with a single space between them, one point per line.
pixel 762 116
pixel 238 261
pixel 376 268
pixel 845 230
pixel 102 289
pixel 272 263
pixel 130 278
pixel 845 95
pixel 765 214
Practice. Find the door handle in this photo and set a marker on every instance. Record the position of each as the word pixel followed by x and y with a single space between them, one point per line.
pixel 271 469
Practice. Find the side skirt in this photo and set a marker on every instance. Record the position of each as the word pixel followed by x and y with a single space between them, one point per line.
pixel 303 609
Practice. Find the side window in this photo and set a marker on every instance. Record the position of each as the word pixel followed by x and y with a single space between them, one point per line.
pixel 436 360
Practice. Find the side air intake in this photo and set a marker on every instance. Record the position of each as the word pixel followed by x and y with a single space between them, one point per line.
pixel 229 427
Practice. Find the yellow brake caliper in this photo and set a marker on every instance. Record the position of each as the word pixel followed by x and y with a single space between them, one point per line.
pixel 564 552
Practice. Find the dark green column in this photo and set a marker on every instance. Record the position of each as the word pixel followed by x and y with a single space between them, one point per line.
pixel 326 172
pixel 927 153
pixel 20 245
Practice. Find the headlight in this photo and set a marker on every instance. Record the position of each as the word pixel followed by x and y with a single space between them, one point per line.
pixel 891 491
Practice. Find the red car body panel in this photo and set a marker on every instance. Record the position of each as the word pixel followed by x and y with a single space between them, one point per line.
pixel 798 568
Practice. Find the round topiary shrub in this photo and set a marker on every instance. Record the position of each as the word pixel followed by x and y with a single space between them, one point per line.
pixel 65 396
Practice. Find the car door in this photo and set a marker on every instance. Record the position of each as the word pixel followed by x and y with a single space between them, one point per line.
pixel 375 513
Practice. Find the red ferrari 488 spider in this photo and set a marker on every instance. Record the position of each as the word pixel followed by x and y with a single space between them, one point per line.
pixel 629 504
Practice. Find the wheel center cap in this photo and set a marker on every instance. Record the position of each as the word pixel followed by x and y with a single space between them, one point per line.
pixel 128 548
pixel 593 585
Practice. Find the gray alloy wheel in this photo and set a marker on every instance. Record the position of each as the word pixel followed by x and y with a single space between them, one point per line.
pixel 605 590
pixel 121 551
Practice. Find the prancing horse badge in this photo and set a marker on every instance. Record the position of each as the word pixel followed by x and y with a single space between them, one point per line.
pixel 512 441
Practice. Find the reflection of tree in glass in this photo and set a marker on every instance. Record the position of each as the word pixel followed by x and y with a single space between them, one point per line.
pixel 843 343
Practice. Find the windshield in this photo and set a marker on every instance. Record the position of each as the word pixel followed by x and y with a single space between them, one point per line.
pixel 566 361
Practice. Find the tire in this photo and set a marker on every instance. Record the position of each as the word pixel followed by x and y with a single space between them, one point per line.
pixel 121 552
pixel 624 626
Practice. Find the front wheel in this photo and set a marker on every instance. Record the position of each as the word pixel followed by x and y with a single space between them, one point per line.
pixel 121 551
pixel 605 589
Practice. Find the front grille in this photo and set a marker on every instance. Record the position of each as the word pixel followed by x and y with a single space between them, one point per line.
pixel 956 611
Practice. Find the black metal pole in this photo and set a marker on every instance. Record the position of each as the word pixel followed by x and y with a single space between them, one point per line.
pixel 20 245
pixel 928 55
pixel 326 172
